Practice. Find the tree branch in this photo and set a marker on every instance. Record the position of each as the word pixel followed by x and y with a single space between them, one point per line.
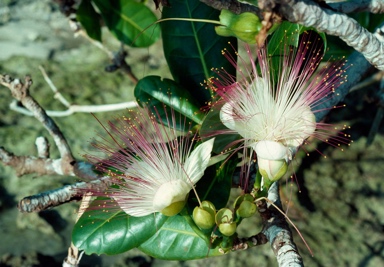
pixel 373 6
pixel 20 91
pixel 61 195
pixel 276 230
pixel 234 6
pixel 310 14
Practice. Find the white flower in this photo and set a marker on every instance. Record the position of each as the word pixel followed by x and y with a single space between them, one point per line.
pixel 153 168
pixel 275 117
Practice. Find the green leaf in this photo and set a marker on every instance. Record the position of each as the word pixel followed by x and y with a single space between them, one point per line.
pixel 192 49
pixel 131 22
pixel 287 34
pixel 152 91
pixel 176 240
pixel 212 126
pixel 215 186
pixel 114 232
pixel 89 19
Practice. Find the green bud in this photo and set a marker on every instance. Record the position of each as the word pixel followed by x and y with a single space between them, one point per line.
pixel 272 170
pixel 242 198
pixel 244 26
pixel 228 229
pixel 204 216
pixel 246 209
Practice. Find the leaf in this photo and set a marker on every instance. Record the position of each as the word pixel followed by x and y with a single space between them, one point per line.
pixel 89 19
pixel 152 91
pixel 287 34
pixel 113 232
pixel 212 126
pixel 176 240
pixel 131 22
pixel 192 49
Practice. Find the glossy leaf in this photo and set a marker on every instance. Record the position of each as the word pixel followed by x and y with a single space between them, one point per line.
pixel 113 232
pixel 287 34
pixel 212 126
pixel 152 91
pixel 131 22
pixel 89 19
pixel 176 240
pixel 192 49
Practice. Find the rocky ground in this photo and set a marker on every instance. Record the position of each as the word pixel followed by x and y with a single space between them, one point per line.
pixel 338 210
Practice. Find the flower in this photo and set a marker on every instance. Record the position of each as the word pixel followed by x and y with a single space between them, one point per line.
pixel 273 105
pixel 153 168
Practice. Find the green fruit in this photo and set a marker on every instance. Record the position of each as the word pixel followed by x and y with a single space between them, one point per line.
pixel 204 217
pixel 246 209
pixel 228 229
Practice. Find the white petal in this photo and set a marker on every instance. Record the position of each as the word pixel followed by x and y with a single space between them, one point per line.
pixel 197 162
pixel 171 192
pixel 226 116
pixel 271 150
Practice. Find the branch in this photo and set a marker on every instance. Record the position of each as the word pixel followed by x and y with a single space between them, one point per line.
pixel 277 231
pixel 71 109
pixel 310 14
pixel 62 195
pixel 20 91
pixel 372 6
pixel 78 108
pixel 234 6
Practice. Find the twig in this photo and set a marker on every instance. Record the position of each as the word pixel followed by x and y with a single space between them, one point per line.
pixel 73 258
pixel 29 164
pixel 42 146
pixel 118 59
pixel 234 6
pixel 277 231
pixel 20 91
pixel 372 6
pixel 78 109
pixel 61 195
pixel 310 14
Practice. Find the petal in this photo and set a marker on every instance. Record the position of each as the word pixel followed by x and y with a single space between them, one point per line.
pixel 171 192
pixel 271 150
pixel 226 116
pixel 198 160
pixel 235 123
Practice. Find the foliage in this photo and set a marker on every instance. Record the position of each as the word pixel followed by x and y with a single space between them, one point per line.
pixel 193 51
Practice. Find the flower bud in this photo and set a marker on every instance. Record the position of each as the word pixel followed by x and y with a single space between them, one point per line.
pixel 204 216
pixel 224 219
pixel 246 209
pixel 244 26
pixel 272 169
pixel 227 229
pixel 272 159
